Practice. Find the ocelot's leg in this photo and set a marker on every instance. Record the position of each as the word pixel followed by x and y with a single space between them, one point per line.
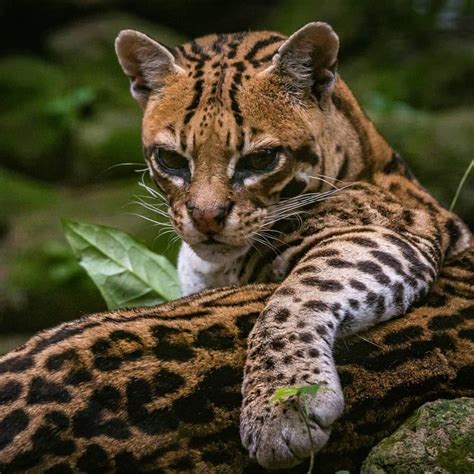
pixel 353 279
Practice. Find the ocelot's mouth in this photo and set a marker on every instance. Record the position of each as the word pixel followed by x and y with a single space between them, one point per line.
pixel 215 250
pixel 215 241
pixel 211 241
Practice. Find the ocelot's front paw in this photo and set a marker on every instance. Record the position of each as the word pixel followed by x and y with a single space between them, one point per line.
pixel 277 435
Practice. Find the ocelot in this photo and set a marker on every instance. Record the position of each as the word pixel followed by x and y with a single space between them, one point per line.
pixel 283 192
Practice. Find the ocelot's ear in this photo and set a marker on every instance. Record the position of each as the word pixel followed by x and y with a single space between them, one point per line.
pixel 146 63
pixel 307 60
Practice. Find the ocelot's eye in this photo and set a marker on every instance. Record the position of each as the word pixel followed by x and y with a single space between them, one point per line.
pixel 171 162
pixel 259 162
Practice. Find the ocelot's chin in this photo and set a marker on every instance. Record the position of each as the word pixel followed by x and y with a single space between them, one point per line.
pixel 218 252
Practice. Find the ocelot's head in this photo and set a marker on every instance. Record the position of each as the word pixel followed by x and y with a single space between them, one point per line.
pixel 237 127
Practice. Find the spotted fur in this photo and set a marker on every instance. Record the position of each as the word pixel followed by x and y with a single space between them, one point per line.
pixel 272 174
pixel 158 389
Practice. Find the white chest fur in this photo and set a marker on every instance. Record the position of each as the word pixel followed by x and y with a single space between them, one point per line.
pixel 196 274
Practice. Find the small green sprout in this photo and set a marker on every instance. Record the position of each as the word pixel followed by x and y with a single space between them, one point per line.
pixel 461 185
pixel 282 394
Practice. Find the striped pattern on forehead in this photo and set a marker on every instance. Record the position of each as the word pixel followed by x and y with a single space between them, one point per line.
pixel 221 63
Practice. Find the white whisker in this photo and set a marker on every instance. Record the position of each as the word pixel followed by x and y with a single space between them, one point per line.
pixel 292 207
pixel 158 223
pixel 153 192
pixel 329 177
pixel 323 180
pixel 123 164
pixel 150 207
pixel 270 237
pixel 265 242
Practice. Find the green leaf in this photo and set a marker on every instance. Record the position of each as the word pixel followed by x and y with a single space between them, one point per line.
pixel 309 389
pixel 126 272
pixel 283 393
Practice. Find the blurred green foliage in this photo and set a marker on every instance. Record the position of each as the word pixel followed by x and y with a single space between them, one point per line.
pixel 67 118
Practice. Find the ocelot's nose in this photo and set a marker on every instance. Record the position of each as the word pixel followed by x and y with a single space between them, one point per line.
pixel 209 220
